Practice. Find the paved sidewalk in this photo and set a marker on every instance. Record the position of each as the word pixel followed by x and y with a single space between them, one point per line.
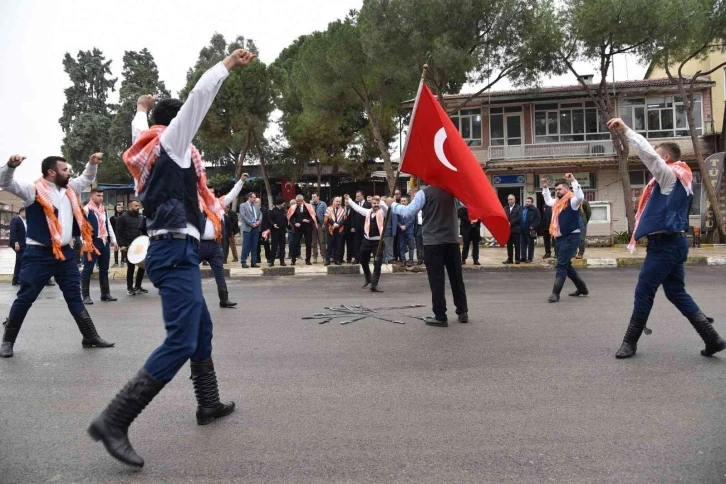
pixel 490 259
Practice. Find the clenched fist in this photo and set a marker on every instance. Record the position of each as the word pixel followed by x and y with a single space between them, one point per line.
pixel 146 102
pixel 15 161
pixel 239 58
pixel 96 158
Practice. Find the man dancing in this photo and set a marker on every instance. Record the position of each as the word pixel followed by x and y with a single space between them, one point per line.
pixel 373 220
pixel 167 172
pixel 662 217
pixel 103 238
pixel 565 227
pixel 54 215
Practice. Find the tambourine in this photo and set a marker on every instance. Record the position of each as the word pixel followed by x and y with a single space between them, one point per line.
pixel 136 253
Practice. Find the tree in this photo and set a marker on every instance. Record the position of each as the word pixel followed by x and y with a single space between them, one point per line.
pixel 240 113
pixel 86 118
pixel 701 28
pixel 597 31
pixel 140 76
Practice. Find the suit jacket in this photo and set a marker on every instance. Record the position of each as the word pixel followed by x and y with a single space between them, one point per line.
pixel 277 216
pixel 358 220
pixel 17 233
pixel 544 226
pixel 533 218
pixel 247 213
pixel 233 223
pixel 515 218
pixel 466 228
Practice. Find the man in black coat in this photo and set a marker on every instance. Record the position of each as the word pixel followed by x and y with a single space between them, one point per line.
pixel 357 224
pixel 530 221
pixel 129 226
pixel 470 233
pixel 514 212
pixel 277 219
pixel 544 228
pixel 232 223
pixel 117 211
pixel 17 242
pixel 264 240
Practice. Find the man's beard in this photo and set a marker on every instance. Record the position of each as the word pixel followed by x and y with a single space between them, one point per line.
pixel 61 182
pixel 559 195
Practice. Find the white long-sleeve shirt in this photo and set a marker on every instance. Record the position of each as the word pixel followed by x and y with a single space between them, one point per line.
pixel 229 198
pixel 655 164
pixel 26 191
pixel 177 137
pixel 575 201
pixel 366 212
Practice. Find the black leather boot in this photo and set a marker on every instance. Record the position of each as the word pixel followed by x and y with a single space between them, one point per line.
pixel 704 327
pixel 581 288
pixel 632 335
pixel 113 424
pixel 368 281
pixel 12 328
pixel 88 330
pixel 224 301
pixel 556 289
pixel 105 289
pixel 85 292
pixel 205 388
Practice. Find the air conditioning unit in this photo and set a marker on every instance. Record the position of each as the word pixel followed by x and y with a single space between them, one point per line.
pixel 601 149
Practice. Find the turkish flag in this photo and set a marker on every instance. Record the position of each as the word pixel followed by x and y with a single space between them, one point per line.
pixel 436 153
pixel 288 190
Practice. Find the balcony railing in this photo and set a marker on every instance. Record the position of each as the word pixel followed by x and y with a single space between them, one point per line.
pixel 579 149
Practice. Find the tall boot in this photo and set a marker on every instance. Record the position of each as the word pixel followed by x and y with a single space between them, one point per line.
pixel 704 327
pixel 580 286
pixel 105 289
pixel 85 291
pixel 12 328
pixel 224 301
pixel 88 330
pixel 367 280
pixel 556 289
pixel 113 424
pixel 632 335
pixel 205 388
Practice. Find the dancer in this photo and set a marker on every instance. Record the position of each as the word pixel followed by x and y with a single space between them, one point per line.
pixel 662 217
pixel 103 238
pixel 373 220
pixel 565 227
pixel 168 172
pixel 54 215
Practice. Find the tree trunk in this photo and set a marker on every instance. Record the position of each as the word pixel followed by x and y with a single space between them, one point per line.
pixel 263 168
pixel 705 180
pixel 385 154
pixel 319 170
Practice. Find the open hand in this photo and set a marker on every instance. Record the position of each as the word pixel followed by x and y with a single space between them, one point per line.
pixel 96 158
pixel 15 161
pixel 297 225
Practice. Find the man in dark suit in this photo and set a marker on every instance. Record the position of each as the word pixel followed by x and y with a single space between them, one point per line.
pixel 357 224
pixel 514 212
pixel 530 221
pixel 17 242
pixel 544 228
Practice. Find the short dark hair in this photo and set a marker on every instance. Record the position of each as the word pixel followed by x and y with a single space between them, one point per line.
pixel 96 190
pixel 279 201
pixel 530 199
pixel 165 111
pixel 50 163
pixel 672 148
pixel 562 182
pixel 250 195
pixel 361 192
pixel 22 210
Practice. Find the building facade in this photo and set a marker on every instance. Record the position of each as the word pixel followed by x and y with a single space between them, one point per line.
pixel 520 136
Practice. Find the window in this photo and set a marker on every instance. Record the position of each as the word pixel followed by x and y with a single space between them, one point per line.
pixel 468 122
pixel 660 117
pixel 570 121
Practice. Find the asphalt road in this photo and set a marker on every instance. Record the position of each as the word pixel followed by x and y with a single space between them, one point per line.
pixel 526 392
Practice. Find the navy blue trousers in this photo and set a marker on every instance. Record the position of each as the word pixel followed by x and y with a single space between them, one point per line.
pixel 566 249
pixel 173 268
pixel 663 265
pixel 103 260
pixel 39 265
pixel 212 252
pixel 250 241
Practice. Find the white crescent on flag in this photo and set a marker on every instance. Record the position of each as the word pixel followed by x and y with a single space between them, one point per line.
pixel 439 149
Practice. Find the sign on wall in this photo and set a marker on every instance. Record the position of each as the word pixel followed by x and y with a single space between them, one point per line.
pixel 516 180
pixel 582 178
pixel 714 171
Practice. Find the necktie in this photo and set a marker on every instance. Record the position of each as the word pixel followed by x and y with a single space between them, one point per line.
pixel 254 214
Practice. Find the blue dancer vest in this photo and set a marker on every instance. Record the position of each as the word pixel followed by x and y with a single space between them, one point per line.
pixel 93 220
pixel 38 225
pixel 665 213
pixel 569 220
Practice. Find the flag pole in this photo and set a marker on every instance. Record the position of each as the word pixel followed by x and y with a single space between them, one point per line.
pixel 378 259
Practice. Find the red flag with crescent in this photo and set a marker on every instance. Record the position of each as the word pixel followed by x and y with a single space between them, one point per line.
pixel 436 153
pixel 288 190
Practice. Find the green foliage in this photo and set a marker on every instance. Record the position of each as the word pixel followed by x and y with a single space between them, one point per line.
pixel 622 237
pixel 222 183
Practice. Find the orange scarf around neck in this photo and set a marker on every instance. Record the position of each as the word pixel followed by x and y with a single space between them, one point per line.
pixel 557 208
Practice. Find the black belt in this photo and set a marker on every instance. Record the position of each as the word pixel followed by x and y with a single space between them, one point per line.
pixel 673 236
pixel 174 235
pixel 44 247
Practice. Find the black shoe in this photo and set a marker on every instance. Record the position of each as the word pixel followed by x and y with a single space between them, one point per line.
pixel 441 323
pixel 270 264
pixel 368 282
pixel 326 263
pixel 581 288
pixel 282 264
pixel 91 339
pixel 141 290
pixel 112 425
pixel 508 261
pixel 547 256
pixel 375 289
pixel 207 393
pixel 131 292
pixel 476 263
pixel 245 266
pixel 704 327
pixel 463 262
pixel 338 263
pixel 254 266
pixel 516 262
pixel 224 301
pixel 556 289
pixel 308 263
pixel 86 292
pixel 15 283
pixel 632 335
pixel 105 290
pixel 528 261
pixel 292 262
pixel 235 260
pixel 12 328
pixel 464 317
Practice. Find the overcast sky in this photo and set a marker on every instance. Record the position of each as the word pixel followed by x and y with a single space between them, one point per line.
pixel 35 34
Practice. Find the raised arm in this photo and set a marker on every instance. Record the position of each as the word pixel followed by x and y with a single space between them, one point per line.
pixel 417 204
pixel 26 191
pixel 139 124
pixel 546 192
pixel 230 197
pixel 576 201
pixel 84 181
pixel 358 208
pixel 179 134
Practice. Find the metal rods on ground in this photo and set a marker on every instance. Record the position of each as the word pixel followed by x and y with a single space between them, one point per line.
pixel 356 312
